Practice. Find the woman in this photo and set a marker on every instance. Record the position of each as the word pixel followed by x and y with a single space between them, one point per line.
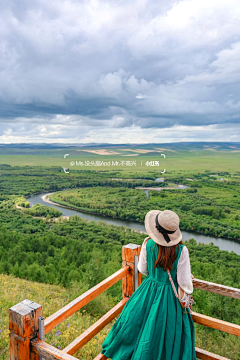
pixel 153 325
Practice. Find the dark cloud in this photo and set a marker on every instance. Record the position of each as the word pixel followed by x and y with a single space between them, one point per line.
pixel 119 64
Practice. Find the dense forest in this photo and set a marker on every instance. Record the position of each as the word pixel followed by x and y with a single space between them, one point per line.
pixel 89 252
pixel 75 251
pixel 27 180
pixel 204 207
pixel 40 210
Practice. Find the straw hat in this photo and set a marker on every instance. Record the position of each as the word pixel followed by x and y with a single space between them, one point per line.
pixel 163 227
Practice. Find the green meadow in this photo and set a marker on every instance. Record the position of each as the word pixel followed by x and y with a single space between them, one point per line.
pixel 179 158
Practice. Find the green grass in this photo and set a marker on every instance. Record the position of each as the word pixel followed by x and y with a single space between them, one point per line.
pixel 52 298
pixel 178 160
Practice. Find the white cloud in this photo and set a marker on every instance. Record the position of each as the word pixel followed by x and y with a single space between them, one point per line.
pixel 83 131
pixel 115 64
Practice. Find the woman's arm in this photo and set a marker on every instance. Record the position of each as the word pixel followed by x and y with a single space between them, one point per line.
pixel 184 277
pixel 142 263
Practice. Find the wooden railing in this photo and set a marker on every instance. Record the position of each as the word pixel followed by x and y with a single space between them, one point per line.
pixel 28 328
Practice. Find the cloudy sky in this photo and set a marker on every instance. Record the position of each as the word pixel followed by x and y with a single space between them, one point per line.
pixel 119 71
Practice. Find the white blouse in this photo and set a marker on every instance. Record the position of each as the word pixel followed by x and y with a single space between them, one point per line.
pixel 184 278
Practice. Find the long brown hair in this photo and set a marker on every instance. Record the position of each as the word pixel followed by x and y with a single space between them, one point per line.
pixel 166 256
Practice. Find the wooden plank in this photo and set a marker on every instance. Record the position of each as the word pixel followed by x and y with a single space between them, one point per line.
pixel 83 299
pixel 48 351
pixel 128 281
pixel 201 354
pixel 128 253
pixel 100 357
pixel 217 288
pixel 87 335
pixel 206 355
pixel 23 326
pixel 216 324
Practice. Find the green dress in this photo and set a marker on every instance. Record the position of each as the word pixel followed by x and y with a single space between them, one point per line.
pixel 152 324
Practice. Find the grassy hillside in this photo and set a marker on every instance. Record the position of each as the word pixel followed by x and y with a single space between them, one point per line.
pixel 53 297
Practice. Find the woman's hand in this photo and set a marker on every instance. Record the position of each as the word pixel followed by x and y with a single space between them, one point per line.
pixel 192 276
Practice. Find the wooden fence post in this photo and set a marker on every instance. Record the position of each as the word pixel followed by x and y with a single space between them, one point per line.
pixel 130 253
pixel 23 326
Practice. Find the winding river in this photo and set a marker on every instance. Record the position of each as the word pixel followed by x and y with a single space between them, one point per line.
pixel 223 244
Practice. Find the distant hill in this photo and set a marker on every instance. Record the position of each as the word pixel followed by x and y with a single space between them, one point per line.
pixel 175 146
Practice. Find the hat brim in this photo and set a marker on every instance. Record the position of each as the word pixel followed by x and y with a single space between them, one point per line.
pixel 155 235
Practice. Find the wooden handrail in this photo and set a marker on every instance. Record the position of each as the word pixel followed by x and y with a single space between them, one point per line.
pixel 100 357
pixel 217 288
pixel 216 324
pixel 81 340
pixel 83 299
pixel 206 355
pixel 25 316
pixel 201 354
pixel 48 351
